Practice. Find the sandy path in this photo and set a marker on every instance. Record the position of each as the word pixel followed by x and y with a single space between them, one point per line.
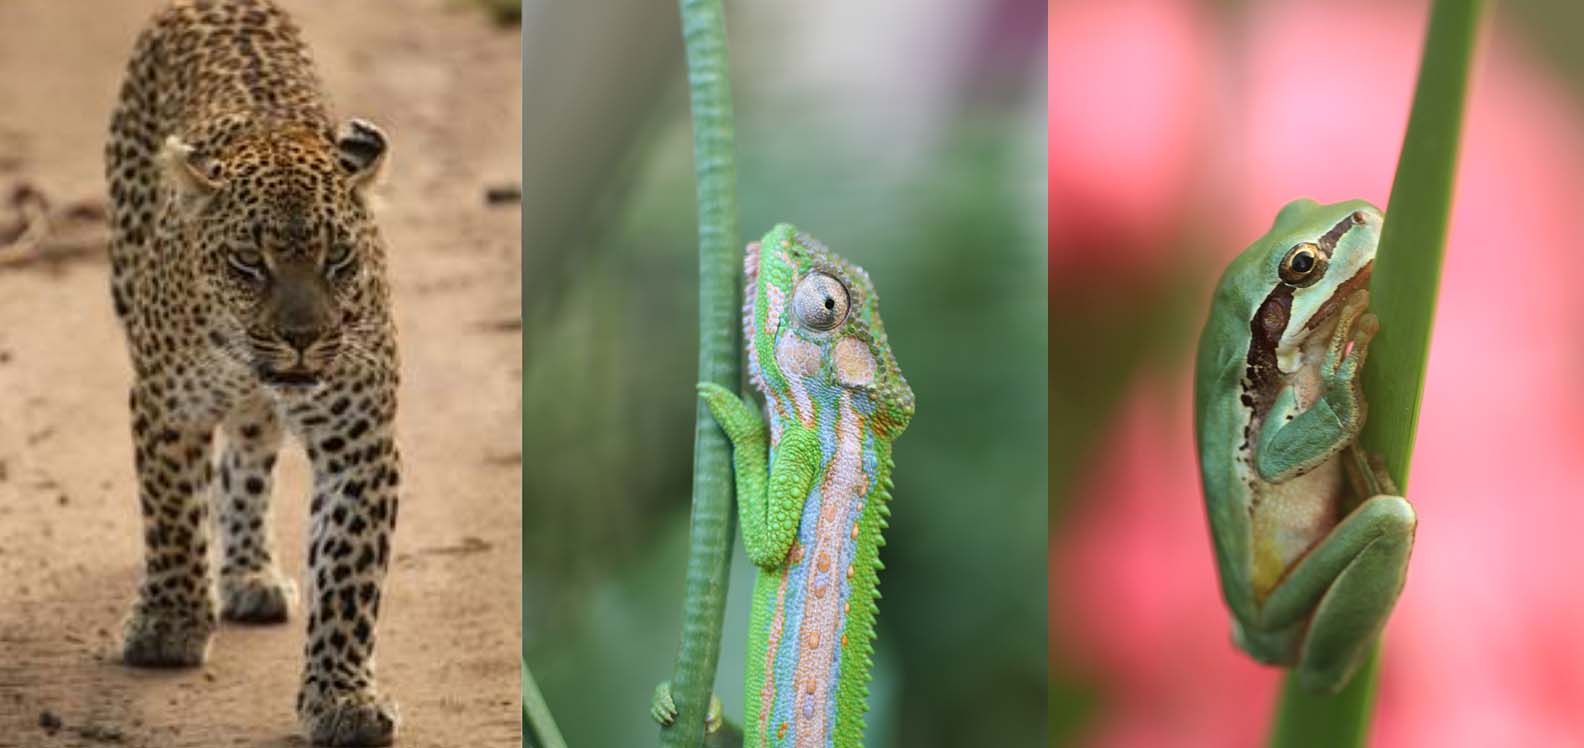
pixel 446 87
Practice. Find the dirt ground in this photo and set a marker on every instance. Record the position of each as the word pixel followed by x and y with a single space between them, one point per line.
pixel 445 85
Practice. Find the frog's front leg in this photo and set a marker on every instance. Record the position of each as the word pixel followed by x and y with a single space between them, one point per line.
pixel 1293 443
pixel 1350 581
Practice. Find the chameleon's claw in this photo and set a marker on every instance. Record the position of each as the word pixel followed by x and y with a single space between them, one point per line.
pixel 661 707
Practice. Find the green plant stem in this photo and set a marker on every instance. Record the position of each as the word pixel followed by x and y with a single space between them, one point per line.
pixel 539 727
pixel 710 534
pixel 1309 720
pixel 1403 297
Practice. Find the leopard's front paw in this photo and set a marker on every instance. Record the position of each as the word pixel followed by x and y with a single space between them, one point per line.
pixel 348 718
pixel 161 637
pixel 263 596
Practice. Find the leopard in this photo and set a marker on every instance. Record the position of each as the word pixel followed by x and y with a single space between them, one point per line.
pixel 249 277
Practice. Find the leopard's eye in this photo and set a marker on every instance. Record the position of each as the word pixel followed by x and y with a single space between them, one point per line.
pixel 820 302
pixel 247 262
pixel 340 258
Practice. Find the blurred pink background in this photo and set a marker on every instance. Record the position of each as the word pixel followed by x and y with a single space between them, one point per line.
pixel 1176 132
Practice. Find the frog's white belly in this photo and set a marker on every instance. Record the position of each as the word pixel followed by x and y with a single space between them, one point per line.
pixel 1291 517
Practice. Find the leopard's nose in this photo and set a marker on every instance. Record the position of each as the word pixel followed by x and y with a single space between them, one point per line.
pixel 300 338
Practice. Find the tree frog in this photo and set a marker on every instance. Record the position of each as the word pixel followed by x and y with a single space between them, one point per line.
pixel 1311 539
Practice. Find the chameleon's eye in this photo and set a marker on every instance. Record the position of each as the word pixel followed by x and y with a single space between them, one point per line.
pixel 1303 265
pixel 820 302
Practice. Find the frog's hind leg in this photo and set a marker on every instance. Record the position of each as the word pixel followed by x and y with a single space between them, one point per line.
pixel 1366 474
pixel 1365 560
pixel 1279 647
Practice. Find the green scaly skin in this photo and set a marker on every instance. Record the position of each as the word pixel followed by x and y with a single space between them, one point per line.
pixel 813 488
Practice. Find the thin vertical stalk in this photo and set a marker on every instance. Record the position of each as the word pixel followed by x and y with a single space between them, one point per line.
pixel 1403 297
pixel 710 535
pixel 539 727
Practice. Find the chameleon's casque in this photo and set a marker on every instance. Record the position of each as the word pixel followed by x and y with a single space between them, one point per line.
pixel 793 362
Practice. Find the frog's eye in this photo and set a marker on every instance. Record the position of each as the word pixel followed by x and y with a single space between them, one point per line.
pixel 1303 265
pixel 820 302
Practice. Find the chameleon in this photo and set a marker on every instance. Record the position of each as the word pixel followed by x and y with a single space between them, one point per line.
pixel 813 479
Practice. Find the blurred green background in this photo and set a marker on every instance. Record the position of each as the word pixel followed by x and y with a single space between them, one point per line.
pixel 910 137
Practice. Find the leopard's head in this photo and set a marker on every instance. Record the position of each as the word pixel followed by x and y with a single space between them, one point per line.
pixel 287 257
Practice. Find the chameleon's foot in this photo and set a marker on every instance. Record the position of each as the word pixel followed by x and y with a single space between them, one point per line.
pixel 664 710
pixel 661 707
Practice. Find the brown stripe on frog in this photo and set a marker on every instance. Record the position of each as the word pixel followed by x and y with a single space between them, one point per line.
pixel 1340 296
pixel 1262 379
pixel 1328 242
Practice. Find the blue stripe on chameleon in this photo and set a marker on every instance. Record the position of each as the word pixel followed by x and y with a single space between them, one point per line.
pixel 787 649
pixel 863 404
pixel 849 554
pixel 871 464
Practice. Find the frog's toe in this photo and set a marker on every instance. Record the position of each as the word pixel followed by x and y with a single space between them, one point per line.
pixel 1267 647
pixel 1328 681
pixel 1364 330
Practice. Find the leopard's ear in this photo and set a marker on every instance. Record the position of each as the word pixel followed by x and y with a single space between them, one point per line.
pixel 362 148
pixel 195 174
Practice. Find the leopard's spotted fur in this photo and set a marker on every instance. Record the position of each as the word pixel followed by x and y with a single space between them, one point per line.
pixel 250 280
